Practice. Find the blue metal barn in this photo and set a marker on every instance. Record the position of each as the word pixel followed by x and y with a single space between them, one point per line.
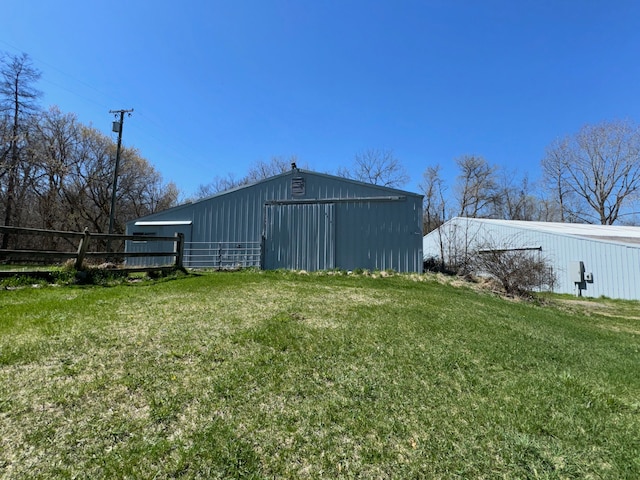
pixel 298 220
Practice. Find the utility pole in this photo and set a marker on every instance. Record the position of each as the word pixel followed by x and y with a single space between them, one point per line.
pixel 117 127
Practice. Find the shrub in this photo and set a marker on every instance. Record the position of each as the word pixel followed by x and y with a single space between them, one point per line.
pixel 519 271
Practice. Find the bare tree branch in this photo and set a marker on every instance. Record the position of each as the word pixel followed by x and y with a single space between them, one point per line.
pixel 378 167
pixel 477 186
pixel 599 168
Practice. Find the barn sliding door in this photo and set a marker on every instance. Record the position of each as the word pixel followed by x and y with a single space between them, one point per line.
pixel 300 236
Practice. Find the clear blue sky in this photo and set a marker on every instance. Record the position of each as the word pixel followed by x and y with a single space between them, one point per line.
pixel 218 85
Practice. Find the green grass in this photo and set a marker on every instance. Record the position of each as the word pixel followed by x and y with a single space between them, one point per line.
pixel 279 375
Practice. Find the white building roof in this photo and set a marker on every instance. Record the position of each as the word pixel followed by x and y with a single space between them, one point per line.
pixel 610 233
pixel 163 223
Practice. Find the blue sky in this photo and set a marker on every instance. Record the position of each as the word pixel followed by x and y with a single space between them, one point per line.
pixel 218 85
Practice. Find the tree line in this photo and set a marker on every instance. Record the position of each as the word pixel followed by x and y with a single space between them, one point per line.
pixel 592 176
pixel 56 173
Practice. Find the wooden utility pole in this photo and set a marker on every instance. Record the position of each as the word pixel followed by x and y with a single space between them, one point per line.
pixel 117 127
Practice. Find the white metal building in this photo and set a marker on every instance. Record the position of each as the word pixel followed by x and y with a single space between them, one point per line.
pixel 589 260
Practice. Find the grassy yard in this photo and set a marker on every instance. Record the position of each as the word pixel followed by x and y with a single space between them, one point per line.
pixel 279 375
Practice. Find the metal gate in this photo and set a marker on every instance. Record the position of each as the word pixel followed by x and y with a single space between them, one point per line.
pixel 222 255
pixel 299 236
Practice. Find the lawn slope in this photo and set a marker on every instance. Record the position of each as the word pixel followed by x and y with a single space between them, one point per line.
pixel 280 375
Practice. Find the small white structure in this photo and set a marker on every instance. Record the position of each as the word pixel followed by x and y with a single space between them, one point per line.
pixel 588 260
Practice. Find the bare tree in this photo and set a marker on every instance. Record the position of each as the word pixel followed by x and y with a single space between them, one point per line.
pixel 141 190
pixel 376 166
pixel 56 173
pixel 17 103
pixel 434 209
pixel 477 186
pixel 456 241
pixel 546 209
pixel 277 165
pixel 555 174
pixel 6 136
pixel 219 184
pixel 72 174
pixel 258 171
pixel 599 169
pixel 515 198
pixel 52 147
pixel 88 191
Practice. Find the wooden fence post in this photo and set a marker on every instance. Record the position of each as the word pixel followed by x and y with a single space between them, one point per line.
pixel 179 249
pixel 82 248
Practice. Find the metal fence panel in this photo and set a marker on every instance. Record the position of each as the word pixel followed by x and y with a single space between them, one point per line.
pixel 222 255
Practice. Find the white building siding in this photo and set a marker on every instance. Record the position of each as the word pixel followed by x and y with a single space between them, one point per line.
pixel 615 265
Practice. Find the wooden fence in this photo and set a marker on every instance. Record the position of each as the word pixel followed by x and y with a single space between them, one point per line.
pixel 84 239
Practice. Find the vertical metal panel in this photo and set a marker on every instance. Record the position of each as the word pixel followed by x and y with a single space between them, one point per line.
pixel 380 235
pixel 300 237
pixel 376 236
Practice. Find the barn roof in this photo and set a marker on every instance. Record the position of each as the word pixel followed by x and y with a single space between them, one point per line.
pixel 327 176
pixel 609 233
pixel 380 189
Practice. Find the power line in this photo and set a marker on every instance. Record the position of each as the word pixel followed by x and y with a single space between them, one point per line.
pixel 72 77
pixel 158 139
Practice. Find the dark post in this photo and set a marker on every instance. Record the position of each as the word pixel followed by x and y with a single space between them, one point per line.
pixel 179 249
pixel 82 249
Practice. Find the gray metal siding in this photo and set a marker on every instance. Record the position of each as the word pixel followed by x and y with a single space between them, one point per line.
pixel 300 236
pixel 379 235
pixel 373 235
pixel 154 246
